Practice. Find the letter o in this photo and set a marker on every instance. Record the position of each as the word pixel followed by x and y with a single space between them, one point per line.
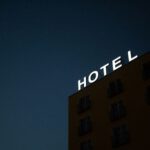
pixel 95 74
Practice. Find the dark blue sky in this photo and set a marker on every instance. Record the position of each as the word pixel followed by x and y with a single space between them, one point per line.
pixel 45 47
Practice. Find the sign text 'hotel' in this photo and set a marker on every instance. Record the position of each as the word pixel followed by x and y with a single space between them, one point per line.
pixel 94 75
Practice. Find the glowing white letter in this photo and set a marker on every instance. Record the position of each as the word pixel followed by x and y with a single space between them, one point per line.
pixel 130 58
pixel 104 69
pixel 95 73
pixel 81 83
pixel 116 63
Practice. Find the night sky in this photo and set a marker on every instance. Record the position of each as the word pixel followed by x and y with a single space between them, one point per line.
pixel 45 47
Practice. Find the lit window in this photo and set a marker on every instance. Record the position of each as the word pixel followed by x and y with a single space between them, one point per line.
pixel 115 88
pixel 85 126
pixel 120 136
pixel 146 71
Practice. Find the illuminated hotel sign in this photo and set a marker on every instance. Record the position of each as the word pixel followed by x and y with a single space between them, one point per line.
pixel 94 75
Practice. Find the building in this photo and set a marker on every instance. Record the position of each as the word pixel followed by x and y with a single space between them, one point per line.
pixel 113 112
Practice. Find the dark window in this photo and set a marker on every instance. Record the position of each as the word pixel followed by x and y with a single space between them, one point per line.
pixel 117 111
pixel 146 71
pixel 84 104
pixel 120 136
pixel 87 145
pixel 85 126
pixel 115 88
pixel 148 95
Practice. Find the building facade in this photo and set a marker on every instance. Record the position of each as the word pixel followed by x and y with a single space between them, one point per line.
pixel 113 112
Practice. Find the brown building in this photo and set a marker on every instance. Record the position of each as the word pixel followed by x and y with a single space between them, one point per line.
pixel 113 112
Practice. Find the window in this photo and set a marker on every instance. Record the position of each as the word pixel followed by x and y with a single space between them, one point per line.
pixel 85 126
pixel 87 145
pixel 115 88
pixel 120 136
pixel 117 111
pixel 146 71
pixel 148 95
pixel 84 104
